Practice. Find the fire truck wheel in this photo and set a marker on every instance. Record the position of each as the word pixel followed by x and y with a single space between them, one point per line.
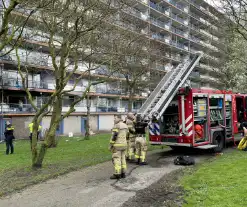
pixel 218 140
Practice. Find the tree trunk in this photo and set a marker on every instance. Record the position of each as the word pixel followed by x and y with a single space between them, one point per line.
pixel 87 134
pixel 130 101
pixel 34 140
pixel 56 115
pixel 39 157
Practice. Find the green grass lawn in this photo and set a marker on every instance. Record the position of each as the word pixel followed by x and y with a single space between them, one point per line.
pixel 70 154
pixel 220 183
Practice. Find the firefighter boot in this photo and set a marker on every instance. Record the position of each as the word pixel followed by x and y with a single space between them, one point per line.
pixel 138 161
pixel 115 177
pixel 123 175
pixel 143 163
pixel 143 158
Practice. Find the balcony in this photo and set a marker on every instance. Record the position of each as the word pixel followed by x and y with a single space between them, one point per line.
pixel 161 38
pixel 123 25
pixel 209 78
pixel 177 31
pixel 136 13
pixel 27 57
pixel 179 6
pixel 13 108
pixel 206 67
pixel 82 108
pixel 160 8
pixel 209 57
pixel 209 46
pixel 179 19
pixel 105 89
pixel 9 83
pixel 195 27
pixel 159 23
pixel 194 39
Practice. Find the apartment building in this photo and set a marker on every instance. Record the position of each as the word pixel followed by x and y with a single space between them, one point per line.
pixel 176 29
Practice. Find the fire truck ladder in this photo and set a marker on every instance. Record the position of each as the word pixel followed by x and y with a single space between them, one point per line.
pixel 161 97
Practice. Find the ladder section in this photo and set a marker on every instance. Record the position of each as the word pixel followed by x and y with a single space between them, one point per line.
pixel 157 92
pixel 163 94
pixel 154 93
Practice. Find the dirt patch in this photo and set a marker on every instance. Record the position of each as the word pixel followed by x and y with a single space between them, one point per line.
pixel 164 193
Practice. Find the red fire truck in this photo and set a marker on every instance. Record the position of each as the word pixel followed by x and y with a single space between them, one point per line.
pixel 216 113
pixel 180 116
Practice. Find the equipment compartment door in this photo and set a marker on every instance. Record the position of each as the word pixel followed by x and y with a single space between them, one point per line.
pixel 200 108
pixel 228 116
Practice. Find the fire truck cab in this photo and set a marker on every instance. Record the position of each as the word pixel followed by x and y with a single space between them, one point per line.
pixel 200 118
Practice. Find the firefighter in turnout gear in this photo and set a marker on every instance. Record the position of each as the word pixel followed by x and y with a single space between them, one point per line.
pixel 141 143
pixel 131 136
pixel 243 143
pixel 9 137
pixel 141 149
pixel 118 146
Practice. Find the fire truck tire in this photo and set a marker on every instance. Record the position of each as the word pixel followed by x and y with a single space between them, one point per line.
pixel 218 139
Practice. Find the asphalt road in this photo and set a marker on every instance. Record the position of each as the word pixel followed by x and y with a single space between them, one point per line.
pixel 91 187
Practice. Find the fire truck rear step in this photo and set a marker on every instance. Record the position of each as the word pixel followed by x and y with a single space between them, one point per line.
pixel 208 146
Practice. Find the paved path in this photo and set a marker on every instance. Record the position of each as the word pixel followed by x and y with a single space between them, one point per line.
pixel 91 187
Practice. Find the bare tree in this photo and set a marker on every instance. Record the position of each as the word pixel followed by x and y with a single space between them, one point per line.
pixel 133 63
pixel 73 22
pixel 12 26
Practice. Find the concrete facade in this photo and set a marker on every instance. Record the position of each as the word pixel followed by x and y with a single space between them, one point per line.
pixel 72 124
pixel 101 122
pixel 21 126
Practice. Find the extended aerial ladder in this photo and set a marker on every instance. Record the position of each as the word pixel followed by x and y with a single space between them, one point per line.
pixel 161 97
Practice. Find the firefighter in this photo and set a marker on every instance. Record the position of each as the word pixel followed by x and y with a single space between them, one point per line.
pixel 199 132
pixel 9 137
pixel 141 149
pixel 128 141
pixel 243 143
pixel 31 132
pixel 140 143
pixel 131 137
pixel 118 146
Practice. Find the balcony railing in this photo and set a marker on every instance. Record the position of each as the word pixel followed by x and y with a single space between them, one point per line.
pixel 14 83
pixel 178 31
pixel 13 108
pixel 160 23
pixel 135 13
pixel 174 16
pixel 195 39
pixel 159 8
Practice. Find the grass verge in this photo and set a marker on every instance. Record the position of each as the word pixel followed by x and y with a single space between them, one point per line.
pixel 70 154
pixel 220 183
